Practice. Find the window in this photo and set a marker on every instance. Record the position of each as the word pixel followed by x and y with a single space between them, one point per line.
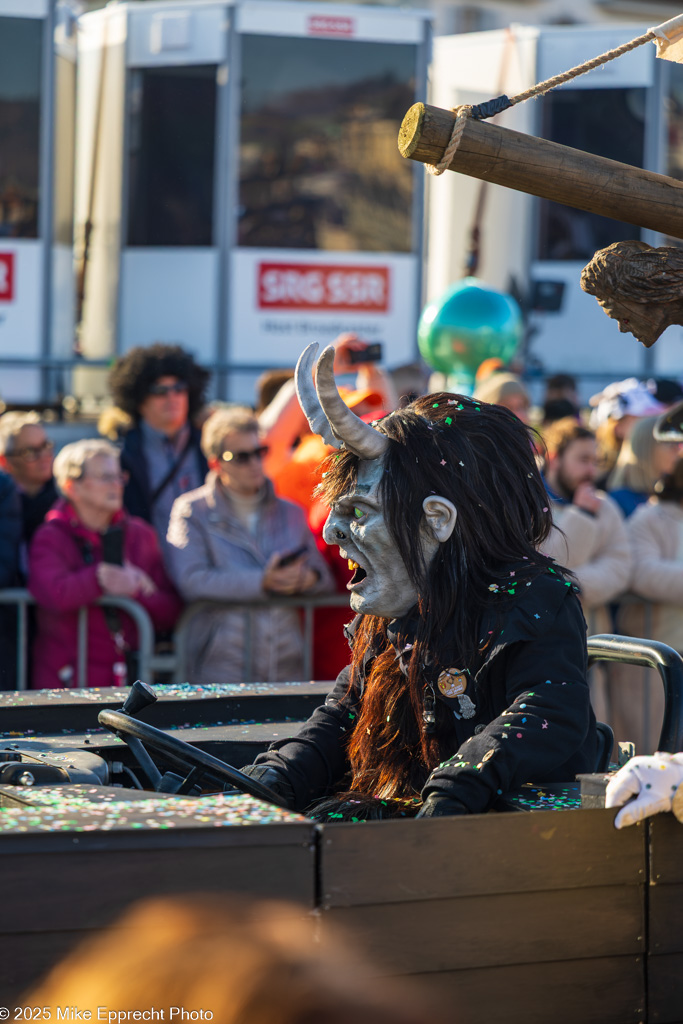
pixel 20 81
pixel 319 163
pixel 609 123
pixel 171 156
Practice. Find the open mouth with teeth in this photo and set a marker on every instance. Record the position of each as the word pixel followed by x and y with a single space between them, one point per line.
pixel 359 574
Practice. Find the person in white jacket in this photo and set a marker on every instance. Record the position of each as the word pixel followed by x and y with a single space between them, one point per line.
pixel 656 535
pixel 589 536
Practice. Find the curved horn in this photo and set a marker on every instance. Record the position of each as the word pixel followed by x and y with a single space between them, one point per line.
pixel 359 437
pixel 308 396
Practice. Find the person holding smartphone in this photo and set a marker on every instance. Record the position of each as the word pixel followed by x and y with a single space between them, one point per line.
pixel 89 547
pixel 234 541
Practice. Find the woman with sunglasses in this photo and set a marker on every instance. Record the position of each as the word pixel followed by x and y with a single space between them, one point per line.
pixel 233 540
pixel 89 547
pixel 161 388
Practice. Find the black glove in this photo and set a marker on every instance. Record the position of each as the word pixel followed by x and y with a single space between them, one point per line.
pixel 273 779
pixel 438 805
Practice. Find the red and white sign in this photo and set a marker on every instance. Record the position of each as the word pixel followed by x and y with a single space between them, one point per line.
pixel 280 300
pixel 6 276
pixel 330 25
pixel 316 287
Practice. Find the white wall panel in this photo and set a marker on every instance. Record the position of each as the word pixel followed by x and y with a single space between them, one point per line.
pixel 170 295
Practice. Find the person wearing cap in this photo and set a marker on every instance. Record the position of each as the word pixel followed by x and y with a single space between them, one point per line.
pixel 643 460
pixel 589 536
pixel 505 389
pixel 615 410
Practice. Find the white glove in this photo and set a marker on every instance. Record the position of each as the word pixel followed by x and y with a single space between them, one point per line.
pixel 645 785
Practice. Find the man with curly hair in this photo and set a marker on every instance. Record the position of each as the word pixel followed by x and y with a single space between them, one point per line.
pixel 161 387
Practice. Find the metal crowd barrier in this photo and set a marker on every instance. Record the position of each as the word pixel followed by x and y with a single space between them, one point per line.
pixel 148 662
pixel 173 663
pixel 307 604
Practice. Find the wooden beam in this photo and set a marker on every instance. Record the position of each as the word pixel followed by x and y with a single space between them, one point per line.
pixel 546 169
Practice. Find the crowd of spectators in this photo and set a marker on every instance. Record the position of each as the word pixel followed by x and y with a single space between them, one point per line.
pixel 189 503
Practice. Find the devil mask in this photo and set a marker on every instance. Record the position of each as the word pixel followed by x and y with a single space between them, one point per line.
pixel 382 583
pixel 431 503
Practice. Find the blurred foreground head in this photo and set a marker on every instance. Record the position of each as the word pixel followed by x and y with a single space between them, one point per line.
pixel 242 962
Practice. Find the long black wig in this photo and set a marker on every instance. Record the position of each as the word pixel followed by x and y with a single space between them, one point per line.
pixel 482 458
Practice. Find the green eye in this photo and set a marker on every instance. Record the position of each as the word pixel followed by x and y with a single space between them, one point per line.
pixel 358 513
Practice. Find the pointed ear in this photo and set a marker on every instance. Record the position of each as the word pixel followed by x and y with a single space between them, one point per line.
pixel 440 515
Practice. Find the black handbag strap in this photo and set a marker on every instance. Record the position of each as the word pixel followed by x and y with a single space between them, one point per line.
pixel 172 472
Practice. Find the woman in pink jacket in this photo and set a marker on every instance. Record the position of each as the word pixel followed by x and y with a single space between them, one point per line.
pixel 89 547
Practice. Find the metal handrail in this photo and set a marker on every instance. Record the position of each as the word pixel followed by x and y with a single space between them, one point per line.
pixel 651 654
pixel 307 603
pixel 146 657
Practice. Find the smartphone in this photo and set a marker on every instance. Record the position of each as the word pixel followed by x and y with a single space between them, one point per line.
pixel 371 354
pixel 291 556
pixel 112 546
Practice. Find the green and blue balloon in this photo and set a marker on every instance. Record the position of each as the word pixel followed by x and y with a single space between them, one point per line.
pixel 466 325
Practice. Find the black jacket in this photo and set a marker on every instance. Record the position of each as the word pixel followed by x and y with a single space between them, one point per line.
pixel 10 531
pixel 138 493
pixel 533 720
pixel 34 508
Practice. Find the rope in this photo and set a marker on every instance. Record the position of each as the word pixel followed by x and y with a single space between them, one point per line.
pixel 484 110
pixel 581 69
pixel 462 115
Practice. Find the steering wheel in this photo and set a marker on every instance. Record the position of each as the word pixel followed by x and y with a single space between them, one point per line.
pixel 138 735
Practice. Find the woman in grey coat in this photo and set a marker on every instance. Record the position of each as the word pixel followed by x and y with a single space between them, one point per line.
pixel 232 540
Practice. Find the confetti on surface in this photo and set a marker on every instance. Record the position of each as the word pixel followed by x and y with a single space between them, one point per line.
pixel 544 798
pixel 103 809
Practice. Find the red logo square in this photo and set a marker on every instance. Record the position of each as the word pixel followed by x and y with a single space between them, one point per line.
pixel 6 276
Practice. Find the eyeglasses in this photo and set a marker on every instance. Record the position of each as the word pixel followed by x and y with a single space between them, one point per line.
pixel 242 458
pixel 179 388
pixel 32 454
pixel 106 478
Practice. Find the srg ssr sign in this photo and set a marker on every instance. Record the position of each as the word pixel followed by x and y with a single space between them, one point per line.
pixel 314 287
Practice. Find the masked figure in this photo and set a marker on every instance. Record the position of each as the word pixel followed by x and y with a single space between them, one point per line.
pixel 468 650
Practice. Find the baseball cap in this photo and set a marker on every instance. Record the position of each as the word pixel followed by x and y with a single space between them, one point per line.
pixel 630 397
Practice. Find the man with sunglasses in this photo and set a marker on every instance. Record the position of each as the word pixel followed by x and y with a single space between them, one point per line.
pixel 27 454
pixel 162 388
pixel 233 540
pixel 28 492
